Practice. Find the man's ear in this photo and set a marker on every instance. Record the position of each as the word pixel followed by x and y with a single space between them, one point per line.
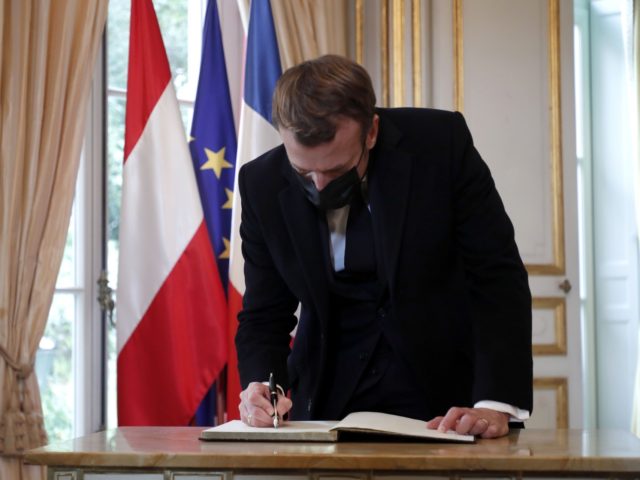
pixel 372 134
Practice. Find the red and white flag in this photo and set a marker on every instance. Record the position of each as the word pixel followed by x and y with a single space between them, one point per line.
pixel 171 345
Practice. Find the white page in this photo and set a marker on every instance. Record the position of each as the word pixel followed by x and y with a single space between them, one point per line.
pixel 327 431
pixel 303 431
pixel 290 427
pixel 394 424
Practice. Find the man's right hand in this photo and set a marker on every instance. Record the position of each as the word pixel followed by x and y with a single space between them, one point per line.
pixel 256 409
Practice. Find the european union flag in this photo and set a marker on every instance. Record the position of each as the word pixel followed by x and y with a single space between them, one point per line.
pixel 213 150
pixel 213 144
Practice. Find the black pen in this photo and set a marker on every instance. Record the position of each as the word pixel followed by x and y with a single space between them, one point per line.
pixel 273 392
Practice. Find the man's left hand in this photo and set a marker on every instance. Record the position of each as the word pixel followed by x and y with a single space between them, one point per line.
pixel 484 422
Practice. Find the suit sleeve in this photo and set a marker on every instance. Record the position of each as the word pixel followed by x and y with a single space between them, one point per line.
pixel 267 317
pixel 497 282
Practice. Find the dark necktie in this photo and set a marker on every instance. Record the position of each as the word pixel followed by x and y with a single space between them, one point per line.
pixel 359 255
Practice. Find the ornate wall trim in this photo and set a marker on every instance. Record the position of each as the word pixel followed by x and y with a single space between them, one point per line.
pixel 559 386
pixel 559 345
pixel 558 264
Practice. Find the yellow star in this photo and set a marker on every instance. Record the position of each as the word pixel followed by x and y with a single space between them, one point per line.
pixel 229 203
pixel 215 161
pixel 227 249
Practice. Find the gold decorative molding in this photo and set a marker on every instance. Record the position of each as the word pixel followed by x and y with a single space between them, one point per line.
pixel 360 31
pixel 558 305
pixel 384 50
pixel 397 17
pixel 180 475
pixel 556 139
pixel 394 74
pixel 559 385
pixel 558 264
pixel 416 49
pixel 65 475
pixel 458 57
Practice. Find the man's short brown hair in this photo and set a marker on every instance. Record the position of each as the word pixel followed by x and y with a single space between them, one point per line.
pixel 311 95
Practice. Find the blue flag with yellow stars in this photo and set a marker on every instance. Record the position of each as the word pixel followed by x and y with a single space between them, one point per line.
pixel 213 147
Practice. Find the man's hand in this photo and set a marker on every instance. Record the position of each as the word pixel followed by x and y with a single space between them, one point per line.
pixel 256 409
pixel 472 421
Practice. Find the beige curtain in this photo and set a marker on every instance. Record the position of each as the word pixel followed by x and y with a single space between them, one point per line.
pixel 309 28
pixel 48 49
pixel 635 415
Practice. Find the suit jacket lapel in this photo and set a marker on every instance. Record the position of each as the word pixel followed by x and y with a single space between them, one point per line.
pixel 303 227
pixel 389 186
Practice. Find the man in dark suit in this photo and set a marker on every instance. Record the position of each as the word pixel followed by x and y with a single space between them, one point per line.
pixel 386 227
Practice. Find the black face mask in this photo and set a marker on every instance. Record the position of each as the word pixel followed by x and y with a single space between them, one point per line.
pixel 337 193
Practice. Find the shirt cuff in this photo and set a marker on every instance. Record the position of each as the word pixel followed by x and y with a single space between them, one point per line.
pixel 517 414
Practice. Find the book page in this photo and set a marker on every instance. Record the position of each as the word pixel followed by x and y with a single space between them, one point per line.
pixel 297 431
pixel 328 431
pixel 395 425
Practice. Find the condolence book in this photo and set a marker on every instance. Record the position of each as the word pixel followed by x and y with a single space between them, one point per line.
pixel 358 426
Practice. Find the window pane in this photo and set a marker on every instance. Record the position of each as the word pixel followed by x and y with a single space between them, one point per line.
pixel 172 17
pixel 67 273
pixel 174 25
pixel 54 368
pixel 115 158
pixel 186 111
pixel 118 43
pixel 112 401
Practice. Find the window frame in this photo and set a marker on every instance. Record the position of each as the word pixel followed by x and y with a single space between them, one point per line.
pixel 90 372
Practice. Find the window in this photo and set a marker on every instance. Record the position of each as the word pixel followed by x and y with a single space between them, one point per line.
pixel 54 363
pixel 608 230
pixel 76 361
pixel 70 354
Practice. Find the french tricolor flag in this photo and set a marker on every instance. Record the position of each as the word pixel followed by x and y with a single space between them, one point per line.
pixel 257 135
pixel 171 347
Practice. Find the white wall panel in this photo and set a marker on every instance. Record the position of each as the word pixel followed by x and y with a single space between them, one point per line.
pixel 507 104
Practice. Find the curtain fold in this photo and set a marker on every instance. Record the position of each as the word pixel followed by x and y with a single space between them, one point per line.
pixel 48 49
pixel 307 29
pixel 635 414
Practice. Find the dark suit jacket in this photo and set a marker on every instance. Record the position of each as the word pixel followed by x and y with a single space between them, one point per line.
pixel 458 291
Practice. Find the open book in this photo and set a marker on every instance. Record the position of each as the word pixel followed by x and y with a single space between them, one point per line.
pixel 363 423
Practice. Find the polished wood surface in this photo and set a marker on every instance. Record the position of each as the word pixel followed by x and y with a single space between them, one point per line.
pixel 527 450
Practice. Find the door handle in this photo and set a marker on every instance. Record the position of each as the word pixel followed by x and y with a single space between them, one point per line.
pixel 565 286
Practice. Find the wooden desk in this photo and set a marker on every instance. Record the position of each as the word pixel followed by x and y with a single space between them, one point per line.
pixel 155 453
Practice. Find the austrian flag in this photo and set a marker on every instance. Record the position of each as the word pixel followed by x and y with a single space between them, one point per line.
pixel 171 347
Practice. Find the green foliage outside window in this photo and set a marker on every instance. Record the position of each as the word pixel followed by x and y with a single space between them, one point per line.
pixel 54 369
